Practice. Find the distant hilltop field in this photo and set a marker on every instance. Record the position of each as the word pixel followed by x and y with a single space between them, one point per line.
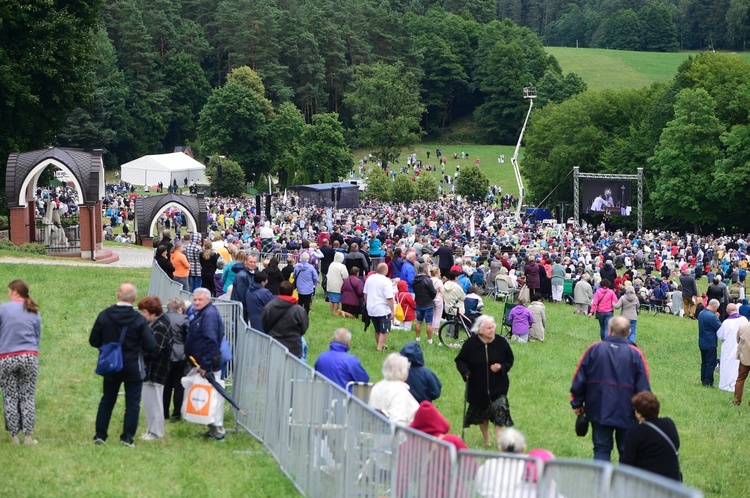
pixel 601 68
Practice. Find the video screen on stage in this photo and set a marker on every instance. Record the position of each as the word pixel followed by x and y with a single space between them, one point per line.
pixel 607 196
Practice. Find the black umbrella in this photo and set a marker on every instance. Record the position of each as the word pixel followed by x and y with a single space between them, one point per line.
pixel 209 376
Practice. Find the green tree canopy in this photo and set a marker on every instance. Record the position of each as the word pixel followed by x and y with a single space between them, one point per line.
pixel 232 123
pixel 286 136
pixel 685 156
pixel 324 156
pixel 472 183
pixel 426 187
pixel 403 189
pixel 379 186
pixel 232 180
pixel 387 108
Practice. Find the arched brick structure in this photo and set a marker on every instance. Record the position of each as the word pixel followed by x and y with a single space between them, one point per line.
pixel 148 210
pixel 87 171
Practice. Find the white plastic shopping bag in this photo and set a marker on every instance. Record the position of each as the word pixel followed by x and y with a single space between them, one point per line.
pixel 201 404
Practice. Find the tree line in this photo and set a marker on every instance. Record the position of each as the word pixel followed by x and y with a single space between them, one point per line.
pixel 691 136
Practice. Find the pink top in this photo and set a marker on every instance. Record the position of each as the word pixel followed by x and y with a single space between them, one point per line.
pixel 604 300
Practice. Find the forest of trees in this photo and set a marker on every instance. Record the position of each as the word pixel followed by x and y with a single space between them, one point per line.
pixel 291 86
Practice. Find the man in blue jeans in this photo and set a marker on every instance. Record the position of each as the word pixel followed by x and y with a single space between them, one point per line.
pixel 424 294
pixel 708 325
pixel 609 374
pixel 138 337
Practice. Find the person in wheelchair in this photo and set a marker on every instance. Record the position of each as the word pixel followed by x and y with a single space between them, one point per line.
pixel 473 304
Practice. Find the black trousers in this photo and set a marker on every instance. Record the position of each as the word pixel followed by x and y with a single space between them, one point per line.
pixel 174 385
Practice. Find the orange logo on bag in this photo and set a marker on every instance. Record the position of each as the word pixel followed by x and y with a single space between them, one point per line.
pixel 198 400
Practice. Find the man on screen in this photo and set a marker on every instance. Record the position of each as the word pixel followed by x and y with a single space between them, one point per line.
pixel 601 202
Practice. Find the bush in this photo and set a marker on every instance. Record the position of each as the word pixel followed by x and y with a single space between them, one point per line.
pixel 34 248
pixel 7 245
pixel 4 223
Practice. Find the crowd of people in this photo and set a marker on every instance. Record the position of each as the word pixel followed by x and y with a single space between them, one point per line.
pixel 418 262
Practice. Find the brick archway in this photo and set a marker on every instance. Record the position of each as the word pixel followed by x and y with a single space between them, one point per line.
pixel 86 170
pixel 148 210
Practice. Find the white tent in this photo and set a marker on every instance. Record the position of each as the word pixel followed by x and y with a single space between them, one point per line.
pixel 165 168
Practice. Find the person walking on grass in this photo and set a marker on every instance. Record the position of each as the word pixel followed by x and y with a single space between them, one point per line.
pixel 138 338
pixel 609 374
pixel 708 325
pixel 20 332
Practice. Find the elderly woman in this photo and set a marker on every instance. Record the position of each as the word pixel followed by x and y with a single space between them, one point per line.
pixel 629 304
pixel 352 294
pixel 483 362
pixel 521 320
pixel 305 279
pixel 653 445
pixel 20 331
pixel 453 294
pixel 162 259
pixel 157 367
pixel 583 294
pixel 336 275
pixel 438 302
pixel 391 395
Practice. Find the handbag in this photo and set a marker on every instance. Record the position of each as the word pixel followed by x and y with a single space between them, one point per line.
pixel 582 425
pixel 202 403
pixel 110 356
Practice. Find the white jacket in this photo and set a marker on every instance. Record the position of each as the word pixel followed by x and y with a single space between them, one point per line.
pixel 393 398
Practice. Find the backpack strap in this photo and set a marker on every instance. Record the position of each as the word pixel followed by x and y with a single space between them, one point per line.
pixel 122 335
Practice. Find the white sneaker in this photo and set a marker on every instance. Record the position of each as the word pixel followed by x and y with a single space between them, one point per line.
pixel 429 341
pixel 150 437
pixel 419 339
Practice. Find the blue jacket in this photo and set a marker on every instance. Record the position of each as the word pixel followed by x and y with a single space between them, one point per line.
pixel 256 298
pixel 424 385
pixel 305 278
pixel 464 282
pixel 340 366
pixel 396 266
pixel 708 325
pixel 407 274
pixel 205 334
pixel 609 374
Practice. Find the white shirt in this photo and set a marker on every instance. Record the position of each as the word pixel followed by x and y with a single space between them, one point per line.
pixel 378 290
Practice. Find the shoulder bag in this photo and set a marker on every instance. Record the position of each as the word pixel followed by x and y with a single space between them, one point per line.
pixel 110 356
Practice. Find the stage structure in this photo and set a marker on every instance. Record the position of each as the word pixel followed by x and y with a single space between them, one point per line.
pixel 529 92
pixel 599 205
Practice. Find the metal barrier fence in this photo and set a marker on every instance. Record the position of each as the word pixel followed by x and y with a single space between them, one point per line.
pixel 330 443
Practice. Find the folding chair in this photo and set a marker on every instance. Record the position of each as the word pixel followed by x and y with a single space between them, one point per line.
pixel 507 326
pixel 502 290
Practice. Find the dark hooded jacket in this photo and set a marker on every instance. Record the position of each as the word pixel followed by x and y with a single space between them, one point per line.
pixel 424 290
pixel 205 333
pixel 608 271
pixel 138 337
pixel 423 383
pixel 286 321
pixel 255 300
pixel 241 284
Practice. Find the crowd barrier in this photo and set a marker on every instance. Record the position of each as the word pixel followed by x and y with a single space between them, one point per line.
pixel 331 444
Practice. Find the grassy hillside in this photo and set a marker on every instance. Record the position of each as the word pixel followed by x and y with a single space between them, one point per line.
pixel 602 68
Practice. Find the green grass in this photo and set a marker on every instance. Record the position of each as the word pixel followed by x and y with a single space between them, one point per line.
pixel 601 68
pixel 500 174
pixel 712 431
pixel 67 463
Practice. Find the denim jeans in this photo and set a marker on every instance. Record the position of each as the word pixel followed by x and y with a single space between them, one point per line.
pixel 708 365
pixel 633 325
pixel 601 435
pixel 107 404
pixel 195 282
pixel 604 322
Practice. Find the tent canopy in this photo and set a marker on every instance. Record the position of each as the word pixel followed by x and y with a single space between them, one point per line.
pixel 165 168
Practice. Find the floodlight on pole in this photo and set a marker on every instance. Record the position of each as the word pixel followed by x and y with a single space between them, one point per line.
pixel 529 92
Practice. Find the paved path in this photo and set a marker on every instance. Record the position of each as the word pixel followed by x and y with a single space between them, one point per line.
pixel 130 257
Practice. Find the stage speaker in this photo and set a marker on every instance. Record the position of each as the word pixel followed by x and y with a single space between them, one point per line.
pixel 338 194
pixel 258 208
pixel 268 206
pixel 333 194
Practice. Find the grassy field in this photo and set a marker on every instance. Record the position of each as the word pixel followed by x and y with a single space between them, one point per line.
pixel 602 68
pixel 711 429
pixel 500 174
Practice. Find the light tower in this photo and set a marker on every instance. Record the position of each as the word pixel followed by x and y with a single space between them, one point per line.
pixel 529 92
